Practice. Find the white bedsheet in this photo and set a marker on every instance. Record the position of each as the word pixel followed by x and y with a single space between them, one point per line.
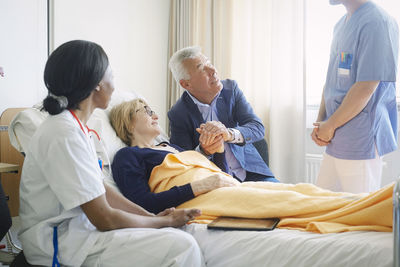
pixel 282 247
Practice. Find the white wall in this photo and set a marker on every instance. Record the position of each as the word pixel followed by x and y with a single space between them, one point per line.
pixel 134 34
pixel 23 52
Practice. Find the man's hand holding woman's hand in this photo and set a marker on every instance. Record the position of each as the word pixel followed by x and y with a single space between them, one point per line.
pixel 211 129
pixel 213 134
pixel 216 147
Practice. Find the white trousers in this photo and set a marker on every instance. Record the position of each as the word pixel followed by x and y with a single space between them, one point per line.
pixel 354 176
pixel 145 247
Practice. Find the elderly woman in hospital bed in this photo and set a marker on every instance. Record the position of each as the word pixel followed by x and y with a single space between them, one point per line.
pixel 162 176
pixel 65 206
pixel 136 124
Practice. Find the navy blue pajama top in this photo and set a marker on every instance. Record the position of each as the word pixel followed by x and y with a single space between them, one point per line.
pixel 131 170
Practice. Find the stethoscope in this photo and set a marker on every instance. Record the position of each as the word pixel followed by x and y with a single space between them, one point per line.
pixel 105 171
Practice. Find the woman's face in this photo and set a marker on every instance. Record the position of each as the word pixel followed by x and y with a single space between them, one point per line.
pixel 105 89
pixel 145 123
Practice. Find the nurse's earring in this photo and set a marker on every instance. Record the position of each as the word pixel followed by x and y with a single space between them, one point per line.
pixel 98 88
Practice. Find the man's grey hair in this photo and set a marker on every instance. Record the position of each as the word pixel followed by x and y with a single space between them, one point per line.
pixel 176 62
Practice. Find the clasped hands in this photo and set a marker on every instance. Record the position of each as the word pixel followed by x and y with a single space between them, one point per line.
pixel 322 133
pixel 179 217
pixel 213 134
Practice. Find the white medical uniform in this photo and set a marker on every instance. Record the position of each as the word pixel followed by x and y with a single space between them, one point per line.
pixel 60 173
pixel 364 48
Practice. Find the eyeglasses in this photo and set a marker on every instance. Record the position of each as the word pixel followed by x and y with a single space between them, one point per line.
pixel 148 110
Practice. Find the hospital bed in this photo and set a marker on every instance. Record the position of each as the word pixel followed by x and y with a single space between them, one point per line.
pixel 280 247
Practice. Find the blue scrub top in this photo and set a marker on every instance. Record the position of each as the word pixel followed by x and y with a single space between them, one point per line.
pixel 365 48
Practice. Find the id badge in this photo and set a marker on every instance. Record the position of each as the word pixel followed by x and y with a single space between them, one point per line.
pixel 345 61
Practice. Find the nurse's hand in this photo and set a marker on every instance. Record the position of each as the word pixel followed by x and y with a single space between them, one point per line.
pixel 325 131
pixel 180 217
pixel 315 138
pixel 166 212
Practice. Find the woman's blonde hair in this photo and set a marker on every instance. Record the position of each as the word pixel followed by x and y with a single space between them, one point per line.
pixel 122 117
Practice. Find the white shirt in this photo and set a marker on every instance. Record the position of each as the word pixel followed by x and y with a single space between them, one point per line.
pixel 60 173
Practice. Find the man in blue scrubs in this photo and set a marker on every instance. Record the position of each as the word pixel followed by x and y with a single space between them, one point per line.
pixel 357 120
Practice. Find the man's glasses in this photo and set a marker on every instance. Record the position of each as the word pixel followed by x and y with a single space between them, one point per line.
pixel 148 110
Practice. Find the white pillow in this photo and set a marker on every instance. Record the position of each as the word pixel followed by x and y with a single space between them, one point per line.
pixel 100 122
pixel 23 126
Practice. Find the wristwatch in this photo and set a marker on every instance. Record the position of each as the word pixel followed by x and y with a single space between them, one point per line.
pixel 233 135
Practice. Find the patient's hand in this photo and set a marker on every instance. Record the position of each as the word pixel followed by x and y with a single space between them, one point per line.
pixel 166 212
pixel 212 182
pixel 179 217
pixel 216 147
pixel 210 130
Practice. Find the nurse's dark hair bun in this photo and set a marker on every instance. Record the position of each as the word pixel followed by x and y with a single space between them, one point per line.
pixel 55 104
pixel 72 72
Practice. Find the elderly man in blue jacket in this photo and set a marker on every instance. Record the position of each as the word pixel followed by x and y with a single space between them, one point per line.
pixel 214 118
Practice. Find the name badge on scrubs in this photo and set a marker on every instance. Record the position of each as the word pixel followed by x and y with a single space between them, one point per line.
pixel 345 64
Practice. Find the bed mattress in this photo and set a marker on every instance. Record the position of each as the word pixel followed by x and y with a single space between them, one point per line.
pixel 282 247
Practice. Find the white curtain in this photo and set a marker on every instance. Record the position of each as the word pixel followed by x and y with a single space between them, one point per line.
pixel 205 23
pixel 287 91
pixel 267 61
pixel 260 44
pixel 180 35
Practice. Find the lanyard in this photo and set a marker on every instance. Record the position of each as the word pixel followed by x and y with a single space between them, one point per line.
pixel 55 245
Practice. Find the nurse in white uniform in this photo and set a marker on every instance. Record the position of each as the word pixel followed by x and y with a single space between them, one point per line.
pixel 69 216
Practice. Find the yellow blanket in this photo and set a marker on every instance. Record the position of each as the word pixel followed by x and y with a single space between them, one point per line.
pixel 300 206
